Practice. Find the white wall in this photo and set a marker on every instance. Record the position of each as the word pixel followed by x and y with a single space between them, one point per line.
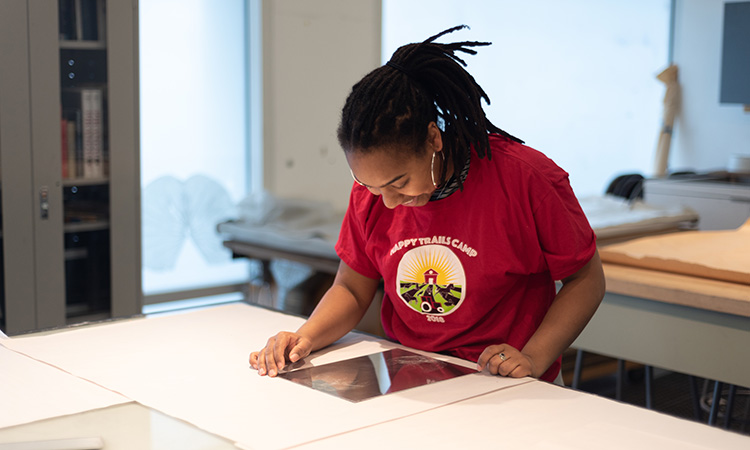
pixel 313 52
pixel 706 133
pixel 574 79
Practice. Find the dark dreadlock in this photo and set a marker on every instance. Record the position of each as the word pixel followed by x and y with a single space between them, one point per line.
pixel 422 83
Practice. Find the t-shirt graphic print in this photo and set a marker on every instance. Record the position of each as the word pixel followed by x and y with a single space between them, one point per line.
pixel 431 280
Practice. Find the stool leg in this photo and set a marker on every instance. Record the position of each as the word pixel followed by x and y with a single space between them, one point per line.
pixel 620 378
pixel 730 405
pixel 577 369
pixel 718 386
pixel 695 396
pixel 649 374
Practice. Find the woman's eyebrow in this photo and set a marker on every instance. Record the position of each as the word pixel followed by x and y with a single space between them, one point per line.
pixel 398 177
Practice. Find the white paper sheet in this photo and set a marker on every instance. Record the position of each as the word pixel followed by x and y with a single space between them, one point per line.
pixel 538 416
pixel 612 216
pixel 129 426
pixel 31 390
pixel 194 366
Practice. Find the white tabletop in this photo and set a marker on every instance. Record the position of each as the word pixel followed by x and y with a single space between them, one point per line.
pixel 536 416
pixel 125 426
pixel 194 367
pixel 32 390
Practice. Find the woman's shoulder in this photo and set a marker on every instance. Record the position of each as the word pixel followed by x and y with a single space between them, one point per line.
pixel 509 155
pixel 364 205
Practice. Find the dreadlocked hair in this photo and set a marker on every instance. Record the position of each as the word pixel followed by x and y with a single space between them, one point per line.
pixel 422 83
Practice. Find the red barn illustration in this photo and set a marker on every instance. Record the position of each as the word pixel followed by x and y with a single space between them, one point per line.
pixel 430 277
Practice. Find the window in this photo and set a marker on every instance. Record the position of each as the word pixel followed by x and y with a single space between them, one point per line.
pixel 194 149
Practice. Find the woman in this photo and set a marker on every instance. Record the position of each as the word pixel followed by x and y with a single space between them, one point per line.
pixel 472 231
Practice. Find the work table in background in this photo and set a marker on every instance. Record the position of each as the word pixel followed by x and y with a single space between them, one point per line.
pixel 682 323
pixel 678 301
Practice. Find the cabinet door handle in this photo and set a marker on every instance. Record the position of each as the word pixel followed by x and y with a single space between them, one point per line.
pixel 44 202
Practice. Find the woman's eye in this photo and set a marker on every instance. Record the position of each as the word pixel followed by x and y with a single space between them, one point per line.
pixel 401 184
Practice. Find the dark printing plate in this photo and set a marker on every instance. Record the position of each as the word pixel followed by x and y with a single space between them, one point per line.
pixel 378 374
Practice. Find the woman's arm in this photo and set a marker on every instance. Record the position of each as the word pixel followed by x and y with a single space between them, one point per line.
pixel 573 307
pixel 339 311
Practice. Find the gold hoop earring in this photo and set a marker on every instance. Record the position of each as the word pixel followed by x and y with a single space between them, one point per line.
pixel 432 168
pixel 355 178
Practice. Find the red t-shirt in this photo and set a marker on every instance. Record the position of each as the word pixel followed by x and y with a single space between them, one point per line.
pixel 476 268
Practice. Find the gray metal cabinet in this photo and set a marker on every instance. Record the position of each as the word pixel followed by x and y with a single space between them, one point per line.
pixel 70 239
pixel 722 201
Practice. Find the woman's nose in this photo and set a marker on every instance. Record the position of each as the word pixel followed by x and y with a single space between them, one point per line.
pixel 390 200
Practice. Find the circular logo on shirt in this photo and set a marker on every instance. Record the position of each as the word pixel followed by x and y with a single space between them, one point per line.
pixel 431 280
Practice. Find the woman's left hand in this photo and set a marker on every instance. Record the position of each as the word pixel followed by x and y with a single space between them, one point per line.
pixel 506 361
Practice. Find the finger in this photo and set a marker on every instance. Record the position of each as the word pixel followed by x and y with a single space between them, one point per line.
pixel 507 367
pixel 487 355
pixel 265 358
pixel 271 367
pixel 520 371
pixel 279 354
pixel 261 362
pixel 254 360
pixel 496 361
pixel 300 350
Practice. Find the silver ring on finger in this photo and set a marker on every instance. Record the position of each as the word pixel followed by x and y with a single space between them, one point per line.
pixel 502 356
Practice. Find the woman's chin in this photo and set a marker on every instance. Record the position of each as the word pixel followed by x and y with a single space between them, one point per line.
pixel 420 200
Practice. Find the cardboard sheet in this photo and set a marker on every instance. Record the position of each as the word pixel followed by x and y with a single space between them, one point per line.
pixel 31 390
pixel 538 416
pixel 194 366
pixel 721 255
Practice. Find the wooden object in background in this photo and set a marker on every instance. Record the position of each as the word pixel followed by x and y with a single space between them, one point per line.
pixel 671 105
pixel 721 255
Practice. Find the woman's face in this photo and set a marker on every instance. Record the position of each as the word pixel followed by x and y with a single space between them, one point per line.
pixel 400 180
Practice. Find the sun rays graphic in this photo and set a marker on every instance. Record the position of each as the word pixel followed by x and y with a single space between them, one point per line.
pixel 420 263
pixel 431 280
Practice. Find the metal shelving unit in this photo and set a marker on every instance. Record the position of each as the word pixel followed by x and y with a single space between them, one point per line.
pixel 71 240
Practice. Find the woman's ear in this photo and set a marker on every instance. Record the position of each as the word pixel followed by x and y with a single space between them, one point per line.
pixel 434 137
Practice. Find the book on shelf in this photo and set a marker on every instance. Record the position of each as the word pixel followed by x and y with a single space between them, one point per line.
pixel 68 22
pixel 72 136
pixel 64 142
pixel 72 148
pixel 79 20
pixel 89 20
pixel 68 137
pixel 92 135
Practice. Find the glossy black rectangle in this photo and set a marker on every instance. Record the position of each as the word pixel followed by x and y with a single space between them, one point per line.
pixel 365 377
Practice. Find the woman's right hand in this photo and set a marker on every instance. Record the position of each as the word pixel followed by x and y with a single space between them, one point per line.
pixel 285 347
